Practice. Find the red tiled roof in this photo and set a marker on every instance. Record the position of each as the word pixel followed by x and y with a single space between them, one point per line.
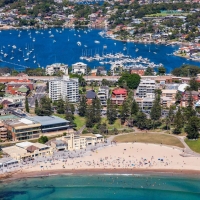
pixel 119 91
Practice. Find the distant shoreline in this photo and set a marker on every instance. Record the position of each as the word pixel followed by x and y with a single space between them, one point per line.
pixel 126 172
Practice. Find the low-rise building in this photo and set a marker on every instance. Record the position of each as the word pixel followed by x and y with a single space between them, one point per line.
pixel 169 93
pixel 51 123
pixel 119 95
pixel 76 141
pixel 7 161
pixel 27 150
pixel 58 144
pixel 23 129
pixel 139 71
pixel 56 67
pixel 79 68
pixel 15 99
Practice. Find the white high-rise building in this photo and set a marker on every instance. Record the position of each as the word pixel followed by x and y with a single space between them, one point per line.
pixel 65 88
pixel 146 88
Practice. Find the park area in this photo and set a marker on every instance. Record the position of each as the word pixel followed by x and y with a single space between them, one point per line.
pixel 193 144
pixel 154 138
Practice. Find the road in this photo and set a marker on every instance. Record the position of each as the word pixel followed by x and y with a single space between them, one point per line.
pixel 39 93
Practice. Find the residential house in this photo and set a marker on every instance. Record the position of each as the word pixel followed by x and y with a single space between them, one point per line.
pixel 56 67
pixel 119 95
pixel 79 68
pixel 139 71
pixel 90 95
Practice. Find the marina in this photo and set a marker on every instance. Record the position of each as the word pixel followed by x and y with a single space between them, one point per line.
pixel 32 48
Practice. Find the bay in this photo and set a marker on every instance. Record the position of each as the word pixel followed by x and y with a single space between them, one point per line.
pixel 33 48
pixel 102 186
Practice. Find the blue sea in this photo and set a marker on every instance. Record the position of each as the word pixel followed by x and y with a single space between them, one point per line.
pixel 32 48
pixel 125 187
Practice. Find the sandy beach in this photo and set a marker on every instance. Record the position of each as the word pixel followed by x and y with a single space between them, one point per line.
pixel 116 158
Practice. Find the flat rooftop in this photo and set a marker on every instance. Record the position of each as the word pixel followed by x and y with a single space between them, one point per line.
pixel 23 122
pixel 48 120
pixel 14 151
pixel 8 117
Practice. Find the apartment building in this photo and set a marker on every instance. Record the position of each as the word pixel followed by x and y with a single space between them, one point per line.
pixel 144 103
pixel 3 132
pixel 103 95
pixel 79 68
pixel 65 88
pixel 169 93
pixel 56 67
pixel 146 88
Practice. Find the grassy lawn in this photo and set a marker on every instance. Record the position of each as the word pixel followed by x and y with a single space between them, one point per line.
pixel 193 144
pixel 60 115
pixel 79 121
pixel 165 14
pixel 149 138
pixel 116 125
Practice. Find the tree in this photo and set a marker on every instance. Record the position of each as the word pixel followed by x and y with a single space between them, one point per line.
pixel 134 108
pixel 93 114
pixel 26 105
pixel 111 112
pixel 178 122
pixel 103 128
pixel 43 139
pixel 141 119
pixel 60 106
pixel 69 112
pixel 36 107
pixel 161 70
pixel 170 117
pixel 178 96
pixel 156 109
pixel 192 129
pixel 2 89
pixel 82 106
pixel 130 80
pixel 125 111
pixel 194 85
pixel 44 107
pixel 149 72
pixel 189 111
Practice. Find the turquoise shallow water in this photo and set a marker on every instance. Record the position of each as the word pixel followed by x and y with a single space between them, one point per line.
pixel 103 187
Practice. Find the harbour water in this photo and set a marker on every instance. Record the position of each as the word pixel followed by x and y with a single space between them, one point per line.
pixel 106 186
pixel 32 48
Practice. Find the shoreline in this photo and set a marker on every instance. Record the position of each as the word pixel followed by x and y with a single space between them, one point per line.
pixel 120 172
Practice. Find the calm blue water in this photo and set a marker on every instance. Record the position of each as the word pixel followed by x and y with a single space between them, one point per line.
pixel 63 48
pixel 103 187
